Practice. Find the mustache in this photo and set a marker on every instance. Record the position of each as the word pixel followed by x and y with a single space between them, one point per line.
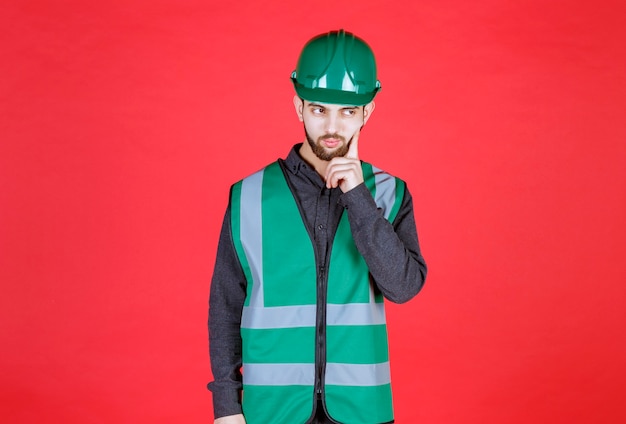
pixel 332 136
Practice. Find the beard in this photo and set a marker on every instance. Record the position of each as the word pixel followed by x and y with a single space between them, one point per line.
pixel 321 152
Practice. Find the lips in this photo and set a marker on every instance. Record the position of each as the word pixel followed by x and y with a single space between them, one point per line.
pixel 331 142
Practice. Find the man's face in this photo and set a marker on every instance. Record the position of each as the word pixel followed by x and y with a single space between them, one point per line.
pixel 329 128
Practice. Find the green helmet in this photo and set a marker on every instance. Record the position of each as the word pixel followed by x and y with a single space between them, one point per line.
pixel 338 68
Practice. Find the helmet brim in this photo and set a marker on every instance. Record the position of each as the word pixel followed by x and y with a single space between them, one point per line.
pixel 325 95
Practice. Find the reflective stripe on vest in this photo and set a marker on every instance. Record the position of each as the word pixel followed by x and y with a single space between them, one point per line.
pixel 303 374
pixel 279 315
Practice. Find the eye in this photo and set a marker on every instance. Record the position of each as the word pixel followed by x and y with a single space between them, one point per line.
pixel 317 110
pixel 348 112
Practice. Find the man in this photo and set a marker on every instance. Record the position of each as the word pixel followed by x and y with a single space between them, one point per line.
pixel 309 247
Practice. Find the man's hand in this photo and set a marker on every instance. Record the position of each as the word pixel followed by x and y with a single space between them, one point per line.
pixel 345 172
pixel 231 419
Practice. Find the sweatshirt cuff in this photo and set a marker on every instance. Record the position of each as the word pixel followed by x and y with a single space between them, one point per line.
pixel 359 203
pixel 226 403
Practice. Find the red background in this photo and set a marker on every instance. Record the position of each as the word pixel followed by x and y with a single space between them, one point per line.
pixel 123 124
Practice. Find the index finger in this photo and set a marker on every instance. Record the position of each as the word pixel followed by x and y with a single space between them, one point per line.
pixel 353 149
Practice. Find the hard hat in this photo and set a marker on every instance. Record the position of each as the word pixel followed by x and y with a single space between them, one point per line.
pixel 336 67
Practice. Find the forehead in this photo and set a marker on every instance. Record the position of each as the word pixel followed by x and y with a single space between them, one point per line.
pixel 330 106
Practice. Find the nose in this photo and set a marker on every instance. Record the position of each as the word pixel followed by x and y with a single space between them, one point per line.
pixel 332 124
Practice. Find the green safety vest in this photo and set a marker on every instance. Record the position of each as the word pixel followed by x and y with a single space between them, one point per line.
pixel 278 326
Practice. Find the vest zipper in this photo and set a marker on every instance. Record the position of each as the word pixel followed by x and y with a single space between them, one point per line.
pixel 321 333
pixel 322 285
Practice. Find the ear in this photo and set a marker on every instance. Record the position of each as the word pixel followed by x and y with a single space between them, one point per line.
pixel 299 105
pixel 367 111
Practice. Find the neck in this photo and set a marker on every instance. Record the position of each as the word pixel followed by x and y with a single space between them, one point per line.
pixel 311 158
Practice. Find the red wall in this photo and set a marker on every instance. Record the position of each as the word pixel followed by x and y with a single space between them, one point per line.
pixel 122 125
